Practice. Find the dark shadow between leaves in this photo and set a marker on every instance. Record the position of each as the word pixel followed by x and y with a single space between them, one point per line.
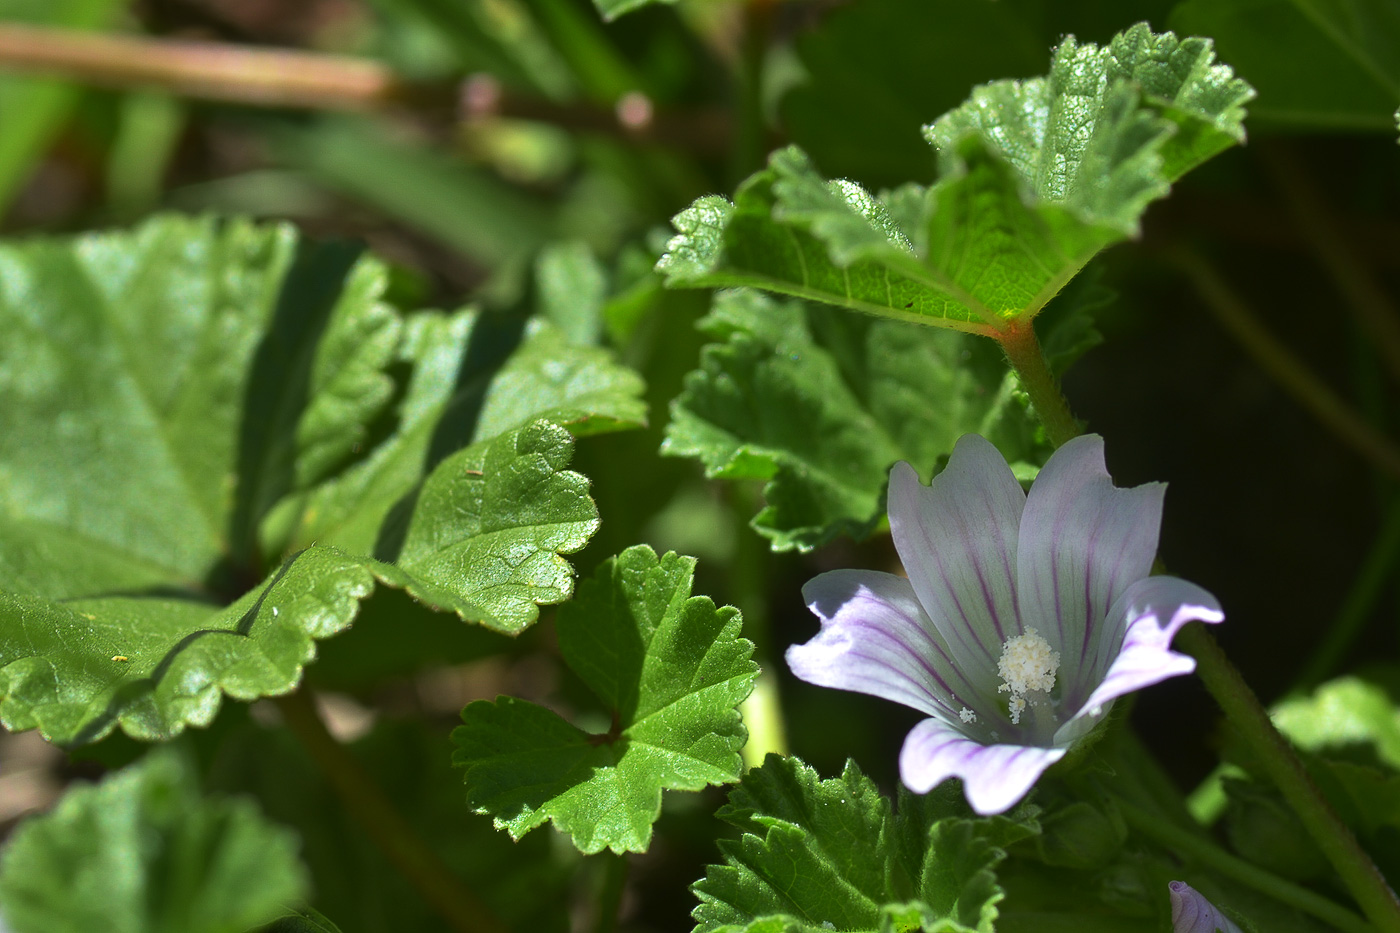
pixel 132 692
pixel 494 337
pixel 277 393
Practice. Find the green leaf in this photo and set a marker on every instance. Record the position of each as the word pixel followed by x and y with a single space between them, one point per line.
pixel 142 852
pixel 178 401
pixel 1036 177
pixel 487 528
pixel 1342 712
pixel 670 669
pixel 469 385
pixel 77 668
pixel 1081 137
pixel 161 388
pixel 1323 64
pixel 821 404
pixel 573 288
pixel 485 542
pixel 819 855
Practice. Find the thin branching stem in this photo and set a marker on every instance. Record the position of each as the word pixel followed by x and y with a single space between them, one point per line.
pixel 367 803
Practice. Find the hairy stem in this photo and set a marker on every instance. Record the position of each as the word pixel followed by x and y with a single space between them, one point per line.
pixel 1285 367
pixel 367 803
pixel 1284 768
pixel 1207 853
pixel 1023 352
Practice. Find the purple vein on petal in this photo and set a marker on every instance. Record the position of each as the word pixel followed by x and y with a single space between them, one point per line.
pixel 1150 612
pixel 946 533
pixel 875 638
pixel 1082 541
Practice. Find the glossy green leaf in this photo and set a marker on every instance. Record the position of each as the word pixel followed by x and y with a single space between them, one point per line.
pixel 143 852
pixel 1036 177
pixel 470 383
pixel 1318 64
pixel 820 404
pixel 77 668
pixel 159 389
pixel 178 405
pixel 669 667
pixel 487 529
pixel 1080 137
pixel 820 855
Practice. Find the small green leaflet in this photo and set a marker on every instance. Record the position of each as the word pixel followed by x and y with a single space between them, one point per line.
pixel 669 667
pixel 143 852
pixel 831 855
pixel 820 404
pixel 186 498
pixel 1036 177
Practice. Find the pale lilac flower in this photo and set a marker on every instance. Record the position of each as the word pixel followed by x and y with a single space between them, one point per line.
pixel 1022 619
pixel 1192 913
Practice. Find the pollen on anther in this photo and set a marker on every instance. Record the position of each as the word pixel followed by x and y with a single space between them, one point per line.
pixel 1027 665
pixel 967 715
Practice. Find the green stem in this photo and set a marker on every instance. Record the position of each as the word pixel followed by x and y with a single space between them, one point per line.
pixel 1023 352
pixel 1220 677
pixel 1284 768
pixel 367 803
pixel 1207 853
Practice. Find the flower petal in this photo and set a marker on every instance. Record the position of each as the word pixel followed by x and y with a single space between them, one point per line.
pixel 957 538
pixel 1082 542
pixel 1150 613
pixel 994 777
pixel 1192 913
pixel 876 639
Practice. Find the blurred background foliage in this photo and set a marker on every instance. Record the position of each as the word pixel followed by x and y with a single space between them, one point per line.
pixel 528 160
